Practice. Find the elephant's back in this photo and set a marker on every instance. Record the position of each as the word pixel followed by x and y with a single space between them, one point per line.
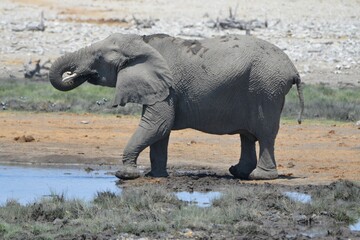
pixel 246 49
pixel 221 77
pixel 230 61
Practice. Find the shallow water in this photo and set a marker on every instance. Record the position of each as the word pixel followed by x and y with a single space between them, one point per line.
pixel 298 197
pixel 27 184
pixel 198 198
pixel 355 226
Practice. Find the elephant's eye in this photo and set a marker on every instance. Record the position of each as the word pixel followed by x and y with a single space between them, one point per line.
pixel 124 63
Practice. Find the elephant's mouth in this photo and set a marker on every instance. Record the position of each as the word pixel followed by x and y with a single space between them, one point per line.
pixel 69 77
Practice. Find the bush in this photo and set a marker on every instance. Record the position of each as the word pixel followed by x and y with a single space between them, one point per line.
pixel 325 102
pixel 27 95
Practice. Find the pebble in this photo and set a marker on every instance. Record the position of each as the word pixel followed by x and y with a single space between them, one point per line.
pixel 24 138
pixel 357 123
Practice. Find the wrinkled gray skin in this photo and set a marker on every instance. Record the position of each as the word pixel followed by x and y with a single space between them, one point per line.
pixel 224 85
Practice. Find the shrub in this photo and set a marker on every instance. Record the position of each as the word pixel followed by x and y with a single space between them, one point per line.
pixel 325 102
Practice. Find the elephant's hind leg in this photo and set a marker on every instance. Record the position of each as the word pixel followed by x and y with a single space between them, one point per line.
pixel 266 167
pixel 247 161
pixel 267 128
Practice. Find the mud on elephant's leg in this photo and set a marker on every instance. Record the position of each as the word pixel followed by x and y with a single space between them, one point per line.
pixel 158 158
pixel 153 130
pixel 131 152
pixel 266 167
pixel 247 161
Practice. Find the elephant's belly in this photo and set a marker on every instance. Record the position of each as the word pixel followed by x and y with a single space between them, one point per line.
pixel 216 107
pixel 213 120
pixel 219 128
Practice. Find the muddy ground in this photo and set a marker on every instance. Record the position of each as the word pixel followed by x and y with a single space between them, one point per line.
pixel 312 153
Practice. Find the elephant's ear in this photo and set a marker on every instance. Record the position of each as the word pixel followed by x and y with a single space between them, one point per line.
pixel 145 78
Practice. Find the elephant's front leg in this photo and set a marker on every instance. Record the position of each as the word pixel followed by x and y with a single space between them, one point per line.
pixel 154 130
pixel 158 158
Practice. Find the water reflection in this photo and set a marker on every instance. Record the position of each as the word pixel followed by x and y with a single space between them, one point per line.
pixel 298 197
pixel 198 198
pixel 355 226
pixel 27 184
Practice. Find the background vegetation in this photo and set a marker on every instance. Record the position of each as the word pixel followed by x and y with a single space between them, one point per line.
pixel 40 96
pixel 321 101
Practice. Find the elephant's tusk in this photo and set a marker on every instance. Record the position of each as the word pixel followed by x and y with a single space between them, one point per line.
pixel 69 77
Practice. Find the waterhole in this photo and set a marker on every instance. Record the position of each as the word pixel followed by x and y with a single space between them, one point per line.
pixel 28 184
pixel 199 199
pixel 355 226
pixel 298 197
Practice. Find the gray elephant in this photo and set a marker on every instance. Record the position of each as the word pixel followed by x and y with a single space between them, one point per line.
pixel 224 85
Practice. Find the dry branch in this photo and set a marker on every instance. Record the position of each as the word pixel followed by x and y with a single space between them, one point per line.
pixel 233 22
pixel 144 23
pixel 30 73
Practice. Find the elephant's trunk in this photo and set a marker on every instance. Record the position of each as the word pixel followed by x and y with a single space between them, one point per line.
pixel 63 75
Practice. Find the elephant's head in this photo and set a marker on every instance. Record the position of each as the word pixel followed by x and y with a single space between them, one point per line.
pixel 138 71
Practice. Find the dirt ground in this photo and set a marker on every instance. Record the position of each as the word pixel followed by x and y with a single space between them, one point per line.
pixel 312 153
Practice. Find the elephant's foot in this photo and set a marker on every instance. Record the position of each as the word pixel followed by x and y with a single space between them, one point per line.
pixel 238 172
pixel 128 173
pixel 261 174
pixel 156 174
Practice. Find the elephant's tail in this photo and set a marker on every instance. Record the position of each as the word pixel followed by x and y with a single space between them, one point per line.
pixel 299 87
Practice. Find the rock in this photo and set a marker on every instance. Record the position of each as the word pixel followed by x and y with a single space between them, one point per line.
pixel 188 233
pixel 24 138
pixel 331 132
pixel 290 165
pixel 59 221
pixel 306 69
pixel 357 123
pixel 89 169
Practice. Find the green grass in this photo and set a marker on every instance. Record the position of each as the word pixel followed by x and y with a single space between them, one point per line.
pixel 27 95
pixel 321 102
pixel 324 102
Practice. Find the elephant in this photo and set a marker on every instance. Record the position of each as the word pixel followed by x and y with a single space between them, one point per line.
pixel 232 84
